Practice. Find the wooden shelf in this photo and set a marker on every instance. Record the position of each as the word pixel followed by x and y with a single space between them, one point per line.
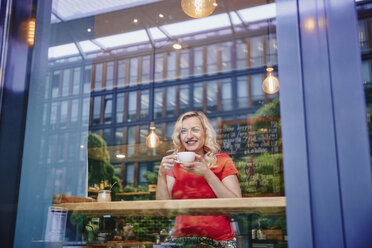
pixel 221 206
pixel 133 193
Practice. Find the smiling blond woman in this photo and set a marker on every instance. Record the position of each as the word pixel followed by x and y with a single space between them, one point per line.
pixel 210 175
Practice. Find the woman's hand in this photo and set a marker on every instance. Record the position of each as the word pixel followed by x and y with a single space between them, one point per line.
pixel 199 167
pixel 166 164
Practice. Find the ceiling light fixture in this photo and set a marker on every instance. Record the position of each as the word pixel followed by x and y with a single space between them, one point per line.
pixel 120 156
pixel 161 15
pixel 135 20
pixel 176 45
pixel 198 8
pixel 271 84
pixel 152 140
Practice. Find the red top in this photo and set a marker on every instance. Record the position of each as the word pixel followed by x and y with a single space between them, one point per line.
pixel 190 186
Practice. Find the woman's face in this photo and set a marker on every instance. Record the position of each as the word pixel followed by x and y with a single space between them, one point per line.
pixel 192 135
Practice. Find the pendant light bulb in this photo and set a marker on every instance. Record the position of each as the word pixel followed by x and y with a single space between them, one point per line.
pixel 198 8
pixel 152 140
pixel 271 84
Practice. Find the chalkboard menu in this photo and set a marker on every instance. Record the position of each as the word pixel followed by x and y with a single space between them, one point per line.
pixel 250 137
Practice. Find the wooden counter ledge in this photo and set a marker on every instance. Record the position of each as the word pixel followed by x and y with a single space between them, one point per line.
pixel 221 206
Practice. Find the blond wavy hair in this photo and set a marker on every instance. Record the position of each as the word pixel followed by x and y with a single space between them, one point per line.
pixel 211 147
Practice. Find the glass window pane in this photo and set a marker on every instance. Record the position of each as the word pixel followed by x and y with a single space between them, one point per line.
pixel 212 96
pixel 198 61
pixel 119 136
pixel 132 106
pixel 145 70
pixel 66 82
pixel 129 174
pixel 159 67
pixel 227 98
pixel 108 110
pixel 96 110
pixel 171 65
pixel 76 81
pixel 88 78
pixel 256 51
pixel 185 63
pixel 145 103
pixel 55 83
pixel 109 75
pixel 226 49
pixel 171 100
pixel 184 98
pixel 121 73
pixel 158 108
pixel 133 75
pixel 243 93
pixel 212 59
pixel 241 54
pixel 131 132
pixel 120 108
pixel 98 77
pixel 198 96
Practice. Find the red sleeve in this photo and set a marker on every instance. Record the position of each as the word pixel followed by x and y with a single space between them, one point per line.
pixel 228 167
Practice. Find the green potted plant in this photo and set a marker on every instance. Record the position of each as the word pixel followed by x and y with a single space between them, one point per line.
pixel 151 179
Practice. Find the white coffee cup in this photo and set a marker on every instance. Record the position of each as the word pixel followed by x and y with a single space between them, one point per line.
pixel 185 157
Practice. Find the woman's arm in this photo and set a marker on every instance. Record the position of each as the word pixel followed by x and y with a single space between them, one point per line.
pixel 229 187
pixel 165 183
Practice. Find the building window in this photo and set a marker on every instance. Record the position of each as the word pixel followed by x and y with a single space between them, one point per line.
pixel 96 110
pixel 74 112
pixel 159 67
pixel 257 93
pixel 171 100
pixel 256 51
pixel 66 82
pixel 145 70
pixel 271 50
pixel 63 115
pixel 98 77
pixel 106 135
pixel 129 174
pixel 107 118
pixel 76 81
pixel 131 140
pixel 184 98
pixel 212 96
pixel 133 74
pixel 120 108
pixel 198 96
pixel 171 65
pixel 85 111
pixel 119 136
pixel 132 106
pixel 158 105
pixel 145 100
pixel 212 59
pixel 241 55
pixel 142 168
pixel 243 92
pixel 226 49
pixel 226 95
pixel 88 78
pixel 55 83
pixel 198 61
pixel 121 73
pixel 109 75
pixel 184 63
